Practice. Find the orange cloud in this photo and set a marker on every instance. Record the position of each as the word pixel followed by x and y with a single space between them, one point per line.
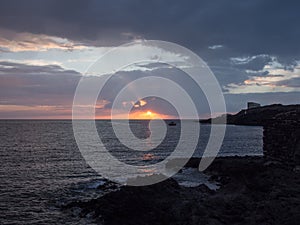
pixel 17 42
pixel 137 104
pixel 134 115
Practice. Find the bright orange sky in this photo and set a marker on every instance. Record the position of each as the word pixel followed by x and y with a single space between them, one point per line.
pixel 43 59
pixel 65 112
pixel 138 115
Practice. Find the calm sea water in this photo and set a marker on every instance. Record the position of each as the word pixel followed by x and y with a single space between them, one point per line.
pixel 41 167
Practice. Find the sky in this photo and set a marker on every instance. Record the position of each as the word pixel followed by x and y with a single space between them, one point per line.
pixel 46 47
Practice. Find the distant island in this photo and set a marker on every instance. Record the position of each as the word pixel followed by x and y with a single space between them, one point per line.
pixel 254 115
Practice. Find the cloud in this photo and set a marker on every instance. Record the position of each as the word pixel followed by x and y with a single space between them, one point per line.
pixel 18 42
pixel 252 63
pixel 28 85
pixel 196 24
pixel 293 83
pixel 138 104
pixel 33 62
pixel 273 77
pixel 250 46
pixel 29 91
pixel 213 47
pixel 36 112
pixel 77 59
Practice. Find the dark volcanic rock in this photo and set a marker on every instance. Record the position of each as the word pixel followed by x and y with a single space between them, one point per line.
pixel 254 117
pixel 163 203
pixel 252 192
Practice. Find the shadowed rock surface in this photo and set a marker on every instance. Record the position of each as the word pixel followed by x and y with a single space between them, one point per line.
pixel 252 191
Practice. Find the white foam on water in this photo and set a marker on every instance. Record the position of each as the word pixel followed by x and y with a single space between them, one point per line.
pixel 192 177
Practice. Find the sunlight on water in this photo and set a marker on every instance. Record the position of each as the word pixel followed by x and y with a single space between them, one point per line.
pixel 41 166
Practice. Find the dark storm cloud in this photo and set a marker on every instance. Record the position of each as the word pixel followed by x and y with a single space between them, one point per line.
pixel 22 84
pixel 27 85
pixel 244 27
pixel 254 31
pixel 123 78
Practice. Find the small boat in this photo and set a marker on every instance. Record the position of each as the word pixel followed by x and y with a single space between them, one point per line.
pixel 172 124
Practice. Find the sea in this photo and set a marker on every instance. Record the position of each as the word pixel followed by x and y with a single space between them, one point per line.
pixel 42 168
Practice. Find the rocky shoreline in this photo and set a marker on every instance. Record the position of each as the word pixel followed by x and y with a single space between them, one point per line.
pixel 252 191
pixel 253 117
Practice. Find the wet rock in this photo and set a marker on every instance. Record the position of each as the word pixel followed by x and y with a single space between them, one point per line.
pixel 252 192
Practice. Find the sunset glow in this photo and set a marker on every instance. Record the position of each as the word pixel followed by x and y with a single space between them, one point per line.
pixel 133 115
pixel 42 62
pixel 146 115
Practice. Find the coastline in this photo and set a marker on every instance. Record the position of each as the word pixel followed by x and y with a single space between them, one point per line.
pixel 252 190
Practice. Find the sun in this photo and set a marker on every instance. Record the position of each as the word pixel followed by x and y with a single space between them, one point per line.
pixel 146 115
